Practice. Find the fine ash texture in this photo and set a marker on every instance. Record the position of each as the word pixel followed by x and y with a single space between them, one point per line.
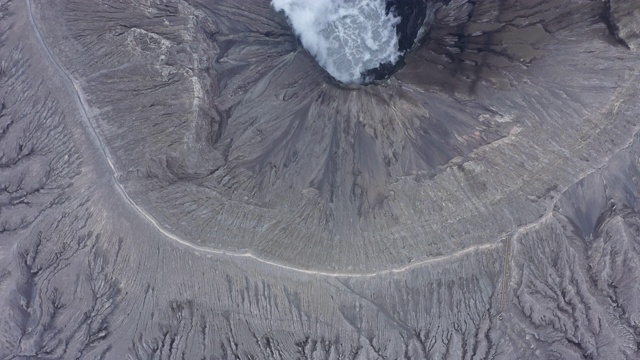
pixel 179 180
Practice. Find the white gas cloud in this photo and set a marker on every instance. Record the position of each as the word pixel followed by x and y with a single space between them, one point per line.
pixel 347 37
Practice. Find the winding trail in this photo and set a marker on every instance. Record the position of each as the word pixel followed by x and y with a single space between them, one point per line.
pixel 83 106
pixel 93 133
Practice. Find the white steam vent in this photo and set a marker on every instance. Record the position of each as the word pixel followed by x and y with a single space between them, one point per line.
pixel 347 37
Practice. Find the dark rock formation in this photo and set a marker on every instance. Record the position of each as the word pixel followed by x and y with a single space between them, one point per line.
pixel 621 16
pixel 413 15
pixel 414 22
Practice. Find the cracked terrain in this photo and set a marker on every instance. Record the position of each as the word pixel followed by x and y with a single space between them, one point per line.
pixel 180 180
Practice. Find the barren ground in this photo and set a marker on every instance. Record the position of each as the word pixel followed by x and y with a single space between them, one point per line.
pixel 180 180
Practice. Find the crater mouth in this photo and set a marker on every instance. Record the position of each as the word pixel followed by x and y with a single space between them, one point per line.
pixel 358 42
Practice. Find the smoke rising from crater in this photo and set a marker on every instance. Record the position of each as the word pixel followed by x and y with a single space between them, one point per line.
pixel 347 38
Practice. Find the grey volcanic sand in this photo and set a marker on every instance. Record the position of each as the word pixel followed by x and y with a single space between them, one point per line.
pixel 181 180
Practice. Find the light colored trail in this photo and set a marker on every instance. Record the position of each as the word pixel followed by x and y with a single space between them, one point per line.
pixel 511 235
pixel 83 106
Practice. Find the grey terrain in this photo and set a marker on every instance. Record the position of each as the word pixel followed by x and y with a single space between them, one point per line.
pixel 181 180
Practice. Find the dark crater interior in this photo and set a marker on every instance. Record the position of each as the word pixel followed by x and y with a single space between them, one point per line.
pixel 413 22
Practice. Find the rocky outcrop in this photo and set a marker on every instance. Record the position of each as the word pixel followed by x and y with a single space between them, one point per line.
pixel 624 19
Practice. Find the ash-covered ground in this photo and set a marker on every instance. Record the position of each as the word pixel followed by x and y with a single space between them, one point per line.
pixel 182 180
